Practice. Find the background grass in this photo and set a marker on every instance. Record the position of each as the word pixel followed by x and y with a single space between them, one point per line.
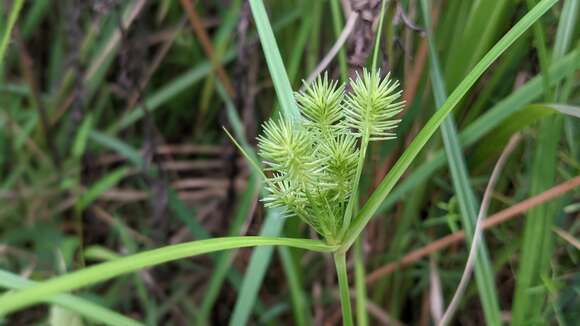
pixel 111 144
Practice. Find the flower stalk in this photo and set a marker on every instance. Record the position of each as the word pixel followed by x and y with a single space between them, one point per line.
pixel 340 263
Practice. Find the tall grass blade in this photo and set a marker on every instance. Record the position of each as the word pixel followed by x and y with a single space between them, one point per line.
pixel 274 60
pixel 299 302
pixel 256 271
pixel 97 189
pixel 81 306
pixel 385 187
pixel 17 300
pixel 537 246
pixel 461 184
pixel 484 125
pixel 274 223
pixel 7 32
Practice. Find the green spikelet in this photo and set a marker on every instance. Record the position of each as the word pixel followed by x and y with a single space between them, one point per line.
pixel 312 165
pixel 372 106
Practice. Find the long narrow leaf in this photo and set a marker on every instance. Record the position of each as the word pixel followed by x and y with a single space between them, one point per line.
pixel 537 247
pixel 385 187
pixel 460 177
pixel 274 223
pixel 484 125
pixel 13 301
pixel 81 306
pixel 7 32
pixel 274 60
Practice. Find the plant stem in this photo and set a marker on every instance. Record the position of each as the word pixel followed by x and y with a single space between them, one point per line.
pixel 340 263
pixel 354 195
pixel 360 286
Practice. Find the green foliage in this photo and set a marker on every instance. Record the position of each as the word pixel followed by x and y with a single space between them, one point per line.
pixel 313 161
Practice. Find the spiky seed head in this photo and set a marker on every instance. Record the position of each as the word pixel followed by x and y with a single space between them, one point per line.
pixel 320 104
pixel 341 164
pixel 372 106
pixel 287 149
pixel 314 161
pixel 283 193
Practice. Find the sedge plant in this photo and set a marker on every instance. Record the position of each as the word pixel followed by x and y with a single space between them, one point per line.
pixel 313 164
pixel 313 158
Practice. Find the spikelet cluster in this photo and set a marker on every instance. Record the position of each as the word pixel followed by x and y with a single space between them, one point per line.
pixel 372 106
pixel 311 163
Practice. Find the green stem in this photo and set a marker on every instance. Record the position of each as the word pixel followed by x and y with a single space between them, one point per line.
pixel 413 149
pixel 354 195
pixel 14 12
pixel 340 263
pixel 337 23
pixel 360 286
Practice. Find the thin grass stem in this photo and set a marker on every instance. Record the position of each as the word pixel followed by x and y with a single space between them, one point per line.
pixel 340 263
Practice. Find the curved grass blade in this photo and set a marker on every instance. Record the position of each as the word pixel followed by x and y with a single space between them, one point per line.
pixel 81 306
pixel 17 300
pixel 385 187
pixel 12 17
pixel 515 103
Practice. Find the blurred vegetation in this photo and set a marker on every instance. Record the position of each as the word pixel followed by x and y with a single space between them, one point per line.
pixel 111 143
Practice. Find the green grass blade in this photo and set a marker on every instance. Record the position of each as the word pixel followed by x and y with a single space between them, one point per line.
pixel 7 32
pixel 385 187
pixel 274 223
pixel 274 60
pixel 484 125
pixel 14 301
pixel 537 246
pixel 167 92
pixel 540 44
pixel 80 143
pixel 362 318
pixel 35 14
pixel 81 306
pixel 338 25
pixel 118 146
pixel 517 122
pixel 97 189
pixel 224 260
pixel 297 296
pixel 474 35
pixel 256 271
pixel 461 184
pixel 377 45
